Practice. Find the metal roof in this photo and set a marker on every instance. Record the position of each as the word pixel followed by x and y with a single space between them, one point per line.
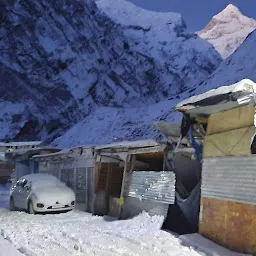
pixel 221 99
pixel 62 152
pixel 130 144
pixel 20 143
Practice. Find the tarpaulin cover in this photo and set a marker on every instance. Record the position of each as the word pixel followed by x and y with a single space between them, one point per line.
pixel 190 206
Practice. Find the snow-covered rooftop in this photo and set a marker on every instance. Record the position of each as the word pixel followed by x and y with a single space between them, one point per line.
pixel 33 150
pixel 130 144
pixel 20 143
pixel 62 152
pixel 246 86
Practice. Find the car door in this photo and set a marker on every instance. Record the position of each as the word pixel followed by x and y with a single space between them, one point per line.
pixel 23 193
pixel 16 193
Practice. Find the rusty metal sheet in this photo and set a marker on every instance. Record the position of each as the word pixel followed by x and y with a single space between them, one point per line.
pixel 230 224
pixel 230 178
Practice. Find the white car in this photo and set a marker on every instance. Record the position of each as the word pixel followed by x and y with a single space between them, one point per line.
pixel 41 193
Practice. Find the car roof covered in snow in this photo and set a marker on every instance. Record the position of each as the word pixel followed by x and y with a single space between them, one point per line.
pixel 40 177
pixel 223 98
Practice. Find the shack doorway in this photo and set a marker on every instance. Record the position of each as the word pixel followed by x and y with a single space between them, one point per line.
pixel 183 215
pixel 108 187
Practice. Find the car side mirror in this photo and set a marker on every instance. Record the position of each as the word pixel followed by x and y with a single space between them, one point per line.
pixel 24 183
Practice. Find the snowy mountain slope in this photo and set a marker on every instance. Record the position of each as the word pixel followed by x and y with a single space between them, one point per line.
pixel 227 30
pixel 137 123
pixel 60 60
pixel 107 125
pixel 164 38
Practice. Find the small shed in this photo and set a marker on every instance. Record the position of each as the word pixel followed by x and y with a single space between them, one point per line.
pixel 23 161
pixel 228 202
pixel 132 177
pixel 75 167
pixel 6 169
pixel 19 145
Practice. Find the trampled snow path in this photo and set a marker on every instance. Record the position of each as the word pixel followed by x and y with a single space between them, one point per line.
pixel 78 233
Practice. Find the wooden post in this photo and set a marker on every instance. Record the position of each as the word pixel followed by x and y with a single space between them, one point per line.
pixel 128 159
pixel 121 201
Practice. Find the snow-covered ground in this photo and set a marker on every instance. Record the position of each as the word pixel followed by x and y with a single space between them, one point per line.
pixel 80 233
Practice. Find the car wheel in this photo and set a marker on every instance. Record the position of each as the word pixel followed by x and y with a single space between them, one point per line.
pixel 31 208
pixel 12 205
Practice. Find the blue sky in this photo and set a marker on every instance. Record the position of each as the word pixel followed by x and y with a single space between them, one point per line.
pixel 197 13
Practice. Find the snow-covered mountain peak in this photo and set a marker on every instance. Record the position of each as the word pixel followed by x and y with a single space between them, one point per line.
pixel 229 10
pixel 227 30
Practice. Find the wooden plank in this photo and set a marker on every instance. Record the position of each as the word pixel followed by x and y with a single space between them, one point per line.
pixel 102 176
pixel 231 119
pixel 229 224
pixel 231 143
pixel 202 120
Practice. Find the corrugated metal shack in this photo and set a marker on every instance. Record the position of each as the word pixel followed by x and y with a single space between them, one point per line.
pixel 75 167
pixel 228 204
pixel 19 145
pixel 23 161
pixel 132 177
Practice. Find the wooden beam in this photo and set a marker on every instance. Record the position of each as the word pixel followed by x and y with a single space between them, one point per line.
pixel 201 119
pixel 121 201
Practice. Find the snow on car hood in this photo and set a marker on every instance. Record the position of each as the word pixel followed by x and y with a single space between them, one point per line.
pixel 51 195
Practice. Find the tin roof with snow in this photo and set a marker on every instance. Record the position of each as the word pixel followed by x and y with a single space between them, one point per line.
pixel 64 152
pixel 221 99
pixel 20 143
pixel 131 144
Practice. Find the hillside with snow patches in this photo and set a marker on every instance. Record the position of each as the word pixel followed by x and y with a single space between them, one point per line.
pixel 227 30
pixel 63 61
pixel 110 124
pixel 137 123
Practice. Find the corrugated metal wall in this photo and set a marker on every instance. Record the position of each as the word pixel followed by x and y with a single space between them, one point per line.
pixel 230 178
pixel 22 168
pixel 152 185
pixel 148 191
pixel 134 206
